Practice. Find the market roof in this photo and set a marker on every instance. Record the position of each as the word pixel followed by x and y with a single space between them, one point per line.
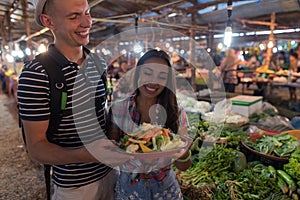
pixel 202 16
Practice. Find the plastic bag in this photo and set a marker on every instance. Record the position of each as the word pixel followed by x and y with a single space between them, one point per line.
pixel 278 123
pixel 296 122
pixel 221 109
pixel 267 106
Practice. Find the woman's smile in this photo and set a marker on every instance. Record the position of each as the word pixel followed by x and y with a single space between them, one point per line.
pixel 150 88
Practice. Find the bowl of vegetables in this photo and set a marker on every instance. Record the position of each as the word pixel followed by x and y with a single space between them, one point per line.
pixel 154 141
pixel 270 149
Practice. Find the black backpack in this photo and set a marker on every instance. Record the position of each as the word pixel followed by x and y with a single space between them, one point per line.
pixel 58 100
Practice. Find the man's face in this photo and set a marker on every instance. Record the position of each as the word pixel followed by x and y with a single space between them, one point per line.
pixel 72 22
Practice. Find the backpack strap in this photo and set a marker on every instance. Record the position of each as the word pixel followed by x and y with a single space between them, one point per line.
pixel 58 92
pixel 58 100
pixel 100 66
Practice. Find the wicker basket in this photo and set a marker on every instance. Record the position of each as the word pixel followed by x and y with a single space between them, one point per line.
pixel 252 155
pixel 295 133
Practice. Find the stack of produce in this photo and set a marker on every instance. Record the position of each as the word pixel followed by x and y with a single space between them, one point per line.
pixel 221 171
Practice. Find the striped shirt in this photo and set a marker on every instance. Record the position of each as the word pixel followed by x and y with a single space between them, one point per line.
pixel 85 89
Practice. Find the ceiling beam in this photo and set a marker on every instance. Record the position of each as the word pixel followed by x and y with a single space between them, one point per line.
pixel 168 4
pixel 256 22
pixel 144 2
pixel 96 2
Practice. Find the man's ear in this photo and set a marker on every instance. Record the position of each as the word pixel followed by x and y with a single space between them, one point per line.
pixel 46 21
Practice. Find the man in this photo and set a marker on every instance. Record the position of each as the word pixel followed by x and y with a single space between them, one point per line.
pixel 77 174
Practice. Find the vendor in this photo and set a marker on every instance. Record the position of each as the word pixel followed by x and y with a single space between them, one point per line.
pixel 293 68
pixel 228 68
pixel 178 62
pixel 3 70
pixel 123 69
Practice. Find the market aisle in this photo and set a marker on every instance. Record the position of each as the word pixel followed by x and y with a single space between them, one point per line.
pixel 19 177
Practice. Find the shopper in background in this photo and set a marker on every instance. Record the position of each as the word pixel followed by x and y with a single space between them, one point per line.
pixel 155 86
pixel 253 62
pixel 123 68
pixel 112 69
pixel 76 173
pixel 228 68
pixel 2 78
pixel 293 68
pixel 216 56
pixel 281 60
pixel 298 53
pixel 178 62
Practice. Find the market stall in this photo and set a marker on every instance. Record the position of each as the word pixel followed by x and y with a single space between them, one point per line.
pixel 251 155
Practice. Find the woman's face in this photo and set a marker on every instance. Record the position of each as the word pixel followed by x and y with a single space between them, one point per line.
pixel 153 77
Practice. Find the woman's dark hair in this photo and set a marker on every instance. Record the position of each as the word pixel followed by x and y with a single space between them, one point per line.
pixel 167 97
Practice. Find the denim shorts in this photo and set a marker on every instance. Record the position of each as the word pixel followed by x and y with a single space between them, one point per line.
pixel 147 189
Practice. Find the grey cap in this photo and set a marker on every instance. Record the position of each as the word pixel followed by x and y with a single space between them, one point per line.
pixel 39 10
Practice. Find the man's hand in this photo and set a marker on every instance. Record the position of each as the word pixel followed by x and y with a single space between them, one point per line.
pixel 107 152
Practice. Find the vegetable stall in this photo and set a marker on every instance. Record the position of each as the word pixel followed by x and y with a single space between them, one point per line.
pixel 242 160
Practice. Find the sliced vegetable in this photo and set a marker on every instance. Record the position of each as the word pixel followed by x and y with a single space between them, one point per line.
pixel 145 149
pixel 295 196
pixel 137 141
pixel 272 171
pixel 127 143
pixel 132 148
pixel 288 179
pixel 166 132
pixel 282 185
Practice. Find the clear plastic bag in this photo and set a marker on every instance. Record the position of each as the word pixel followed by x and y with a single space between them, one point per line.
pixel 278 123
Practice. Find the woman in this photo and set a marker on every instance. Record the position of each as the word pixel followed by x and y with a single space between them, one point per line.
pixel 229 67
pixel 153 101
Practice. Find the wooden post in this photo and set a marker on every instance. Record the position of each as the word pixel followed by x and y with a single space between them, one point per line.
pixel 271 39
pixel 192 54
pixel 210 43
pixel 2 32
pixel 27 25
pixel 210 38
pixel 8 25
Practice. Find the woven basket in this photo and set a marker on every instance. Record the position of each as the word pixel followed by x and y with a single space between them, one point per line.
pixel 252 155
pixel 295 133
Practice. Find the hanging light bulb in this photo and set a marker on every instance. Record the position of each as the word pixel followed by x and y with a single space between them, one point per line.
pixel 228 29
pixel 42 48
pixel 227 36
pixel 137 47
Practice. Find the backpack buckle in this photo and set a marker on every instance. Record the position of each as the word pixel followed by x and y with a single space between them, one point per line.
pixel 59 85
